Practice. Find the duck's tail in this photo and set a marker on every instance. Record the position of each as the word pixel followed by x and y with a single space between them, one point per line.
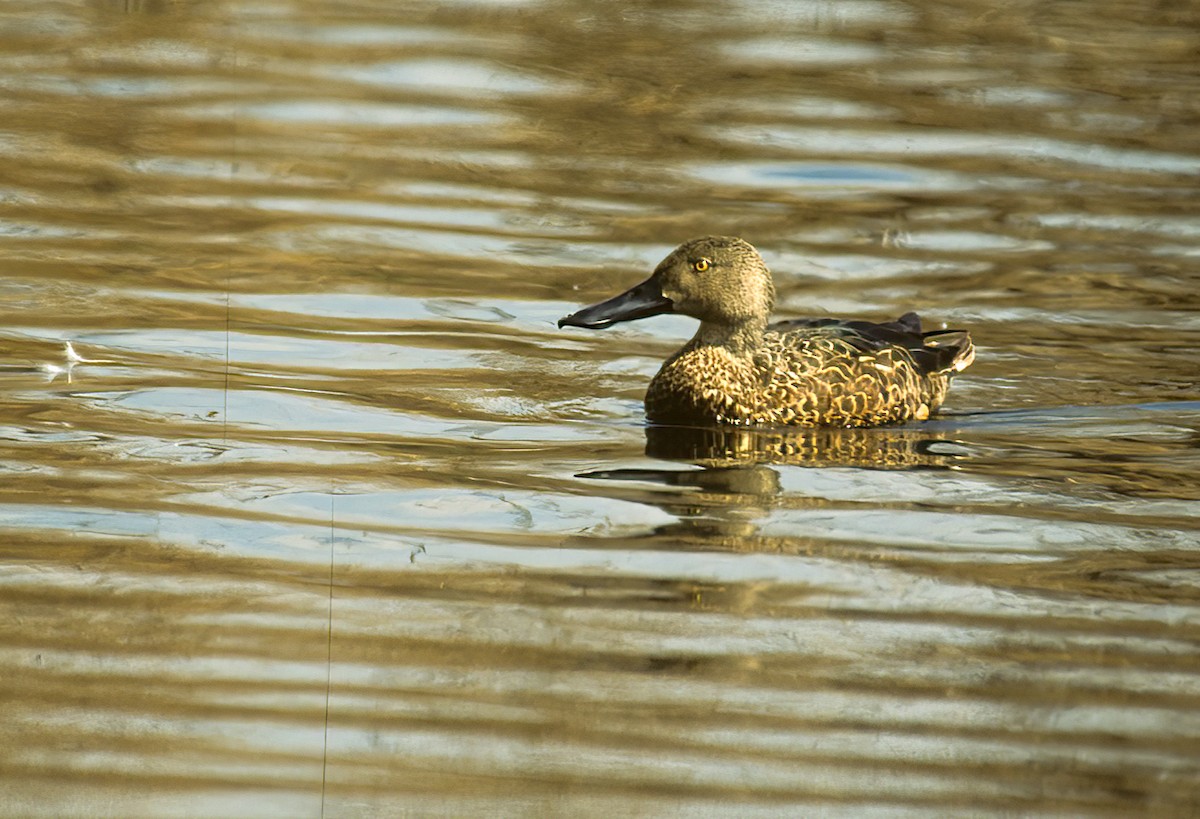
pixel 945 351
pixel 940 352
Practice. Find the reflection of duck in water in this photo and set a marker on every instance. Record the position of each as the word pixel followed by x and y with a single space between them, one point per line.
pixel 808 372
pixel 862 448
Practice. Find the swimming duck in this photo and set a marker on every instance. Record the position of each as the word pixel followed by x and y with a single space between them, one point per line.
pixel 737 369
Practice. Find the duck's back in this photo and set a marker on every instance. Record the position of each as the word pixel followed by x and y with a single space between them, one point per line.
pixel 814 372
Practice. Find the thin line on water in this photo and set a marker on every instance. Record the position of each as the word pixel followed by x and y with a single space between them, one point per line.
pixel 233 169
pixel 225 394
pixel 328 656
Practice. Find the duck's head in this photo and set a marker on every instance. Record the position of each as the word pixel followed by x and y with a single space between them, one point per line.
pixel 721 280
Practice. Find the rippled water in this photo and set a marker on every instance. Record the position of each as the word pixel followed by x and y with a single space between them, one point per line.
pixel 308 508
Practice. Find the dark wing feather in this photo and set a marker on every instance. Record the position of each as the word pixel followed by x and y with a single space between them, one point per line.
pixel 944 350
pixel 932 352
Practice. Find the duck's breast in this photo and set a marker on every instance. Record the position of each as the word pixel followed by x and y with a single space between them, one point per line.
pixel 703 385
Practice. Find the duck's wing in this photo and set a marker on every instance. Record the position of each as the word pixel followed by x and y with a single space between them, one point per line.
pixel 940 351
pixel 908 324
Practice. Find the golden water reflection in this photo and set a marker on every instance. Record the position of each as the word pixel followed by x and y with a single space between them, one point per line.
pixel 456 684
pixel 306 507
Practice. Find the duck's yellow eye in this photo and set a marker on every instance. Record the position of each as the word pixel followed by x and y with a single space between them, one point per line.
pixel 700 265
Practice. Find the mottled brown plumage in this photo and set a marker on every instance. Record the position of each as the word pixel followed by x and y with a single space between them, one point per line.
pixel 814 372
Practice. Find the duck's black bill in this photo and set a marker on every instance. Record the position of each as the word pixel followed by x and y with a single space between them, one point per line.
pixel 646 299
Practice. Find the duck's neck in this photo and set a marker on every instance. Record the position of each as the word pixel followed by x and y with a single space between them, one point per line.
pixel 740 339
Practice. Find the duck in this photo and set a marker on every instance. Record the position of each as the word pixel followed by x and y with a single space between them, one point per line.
pixel 739 369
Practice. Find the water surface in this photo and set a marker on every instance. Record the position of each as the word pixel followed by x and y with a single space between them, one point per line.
pixel 309 509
